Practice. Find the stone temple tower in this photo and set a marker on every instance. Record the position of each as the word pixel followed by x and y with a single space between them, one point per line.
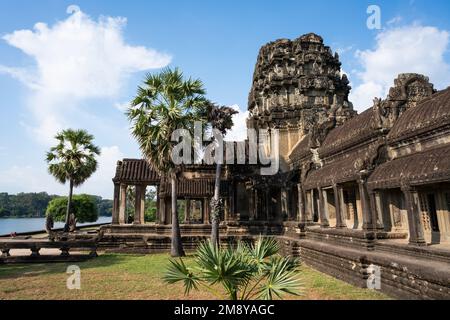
pixel 298 87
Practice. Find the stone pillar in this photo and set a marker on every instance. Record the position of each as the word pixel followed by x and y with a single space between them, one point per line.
pixel 251 205
pixel 310 206
pixel 256 203
pixel 342 206
pixel 365 204
pixel 123 204
pixel 143 193
pixel 301 205
pixel 416 234
pixel 267 206
pixel 232 197
pixel 187 211
pixel 340 218
pixel 158 207
pixel 322 208
pixel 162 210
pixel 206 211
pixel 139 205
pixel 284 204
pixel 116 204
pixel 376 206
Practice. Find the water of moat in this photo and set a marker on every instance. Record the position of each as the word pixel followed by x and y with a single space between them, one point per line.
pixel 34 224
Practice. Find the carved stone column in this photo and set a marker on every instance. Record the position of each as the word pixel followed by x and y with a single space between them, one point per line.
pixel 340 218
pixel 206 211
pixel 416 234
pixel 284 204
pixel 324 223
pixel 162 210
pixel 256 203
pixel 139 205
pixel 342 206
pixel 267 206
pixel 251 205
pixel 377 207
pixel 123 204
pixel 187 211
pixel 116 204
pixel 365 203
pixel 301 205
pixel 158 208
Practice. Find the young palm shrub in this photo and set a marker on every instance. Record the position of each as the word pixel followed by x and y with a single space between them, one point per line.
pixel 245 272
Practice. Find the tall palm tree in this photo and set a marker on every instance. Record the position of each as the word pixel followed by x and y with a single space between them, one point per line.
pixel 73 159
pixel 164 103
pixel 221 119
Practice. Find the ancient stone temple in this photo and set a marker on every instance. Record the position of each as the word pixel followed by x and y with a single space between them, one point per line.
pixel 353 194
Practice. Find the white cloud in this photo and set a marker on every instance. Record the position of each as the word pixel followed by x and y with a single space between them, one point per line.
pixel 239 130
pixel 415 48
pixel 77 58
pixel 122 106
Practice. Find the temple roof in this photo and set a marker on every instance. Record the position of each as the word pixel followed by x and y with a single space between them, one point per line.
pixel 432 113
pixel 136 171
pixel 346 168
pixel 301 150
pixel 352 132
pixel 202 188
pixel 430 166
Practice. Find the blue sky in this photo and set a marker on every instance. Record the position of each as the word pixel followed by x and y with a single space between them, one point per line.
pixel 217 41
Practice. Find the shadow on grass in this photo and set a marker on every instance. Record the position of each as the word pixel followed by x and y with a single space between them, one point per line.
pixel 154 264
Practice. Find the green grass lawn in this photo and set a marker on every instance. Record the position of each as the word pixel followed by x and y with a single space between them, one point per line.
pixel 114 276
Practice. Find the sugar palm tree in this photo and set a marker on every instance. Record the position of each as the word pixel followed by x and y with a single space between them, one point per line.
pixel 72 160
pixel 220 118
pixel 164 103
pixel 245 272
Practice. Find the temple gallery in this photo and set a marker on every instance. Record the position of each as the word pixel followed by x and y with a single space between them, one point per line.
pixel 352 191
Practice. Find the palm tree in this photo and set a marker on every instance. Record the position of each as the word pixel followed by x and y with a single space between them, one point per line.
pixel 245 272
pixel 221 119
pixel 164 103
pixel 73 159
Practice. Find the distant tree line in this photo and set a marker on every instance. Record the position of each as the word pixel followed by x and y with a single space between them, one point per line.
pixel 34 205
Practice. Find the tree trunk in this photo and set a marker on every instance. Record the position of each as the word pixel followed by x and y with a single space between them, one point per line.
pixel 69 207
pixel 177 246
pixel 216 208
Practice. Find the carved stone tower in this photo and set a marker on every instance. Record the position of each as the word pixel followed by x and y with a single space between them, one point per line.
pixel 297 85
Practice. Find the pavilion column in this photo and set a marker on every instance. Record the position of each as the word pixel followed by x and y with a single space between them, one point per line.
pixel 139 205
pixel 340 219
pixel 232 197
pixel 376 206
pixel 206 211
pixel 251 204
pixel 187 211
pixel 301 205
pixel 342 206
pixel 123 204
pixel 256 203
pixel 416 234
pixel 143 193
pixel 267 204
pixel 324 223
pixel 365 203
pixel 309 195
pixel 158 207
pixel 116 204
pixel 284 204
pixel 162 209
